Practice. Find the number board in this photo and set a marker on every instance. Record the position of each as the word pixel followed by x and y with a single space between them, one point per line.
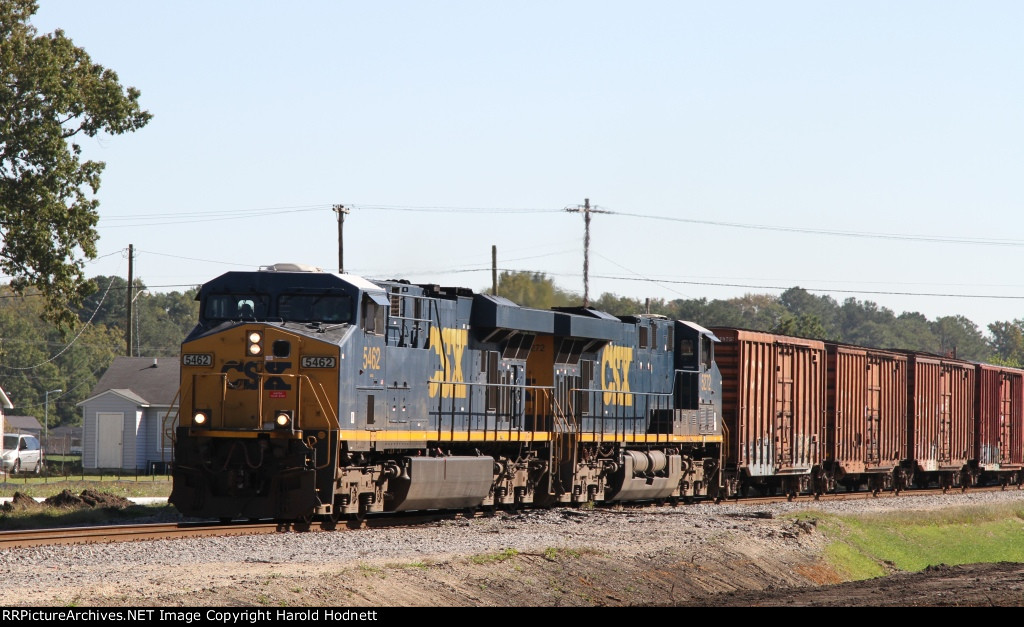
pixel 197 359
pixel 314 361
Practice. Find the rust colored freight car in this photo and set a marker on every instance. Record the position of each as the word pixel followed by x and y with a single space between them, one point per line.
pixel 999 425
pixel 941 438
pixel 866 424
pixel 773 405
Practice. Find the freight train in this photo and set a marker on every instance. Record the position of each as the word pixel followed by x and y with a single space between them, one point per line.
pixel 310 395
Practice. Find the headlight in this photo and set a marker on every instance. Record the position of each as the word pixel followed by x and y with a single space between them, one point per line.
pixel 255 342
pixel 201 418
pixel 283 420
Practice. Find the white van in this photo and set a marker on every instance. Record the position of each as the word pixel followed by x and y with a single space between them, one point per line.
pixel 21 453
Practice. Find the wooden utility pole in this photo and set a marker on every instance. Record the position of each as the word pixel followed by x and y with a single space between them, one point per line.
pixel 130 302
pixel 494 270
pixel 342 212
pixel 586 210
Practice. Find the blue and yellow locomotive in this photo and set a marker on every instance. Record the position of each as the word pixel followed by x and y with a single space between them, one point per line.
pixel 308 394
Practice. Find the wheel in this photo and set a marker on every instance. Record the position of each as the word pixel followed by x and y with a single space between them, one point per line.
pixel 330 523
pixel 303 524
pixel 16 468
pixel 39 467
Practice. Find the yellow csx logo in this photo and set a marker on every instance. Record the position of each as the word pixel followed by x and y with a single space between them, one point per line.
pixel 615 363
pixel 449 345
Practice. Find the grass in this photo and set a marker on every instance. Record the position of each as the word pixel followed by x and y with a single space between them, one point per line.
pixel 48 486
pixel 125 486
pixel 873 545
pixel 52 517
pixel 490 558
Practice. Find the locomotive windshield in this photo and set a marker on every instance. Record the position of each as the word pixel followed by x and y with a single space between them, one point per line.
pixel 236 307
pixel 330 308
pixel 305 307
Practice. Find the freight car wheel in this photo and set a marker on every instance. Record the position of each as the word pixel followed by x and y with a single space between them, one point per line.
pixel 304 523
pixel 330 521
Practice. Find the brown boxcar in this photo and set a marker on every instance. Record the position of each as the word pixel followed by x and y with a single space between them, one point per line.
pixel 941 411
pixel 866 424
pixel 773 404
pixel 999 425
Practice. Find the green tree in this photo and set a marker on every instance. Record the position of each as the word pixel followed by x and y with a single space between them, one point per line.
pixel 914 332
pixel 866 324
pixel 51 92
pixel 803 325
pixel 960 338
pixel 805 307
pixel 534 289
pixel 620 305
pixel 163 321
pixel 107 305
pixel 1008 341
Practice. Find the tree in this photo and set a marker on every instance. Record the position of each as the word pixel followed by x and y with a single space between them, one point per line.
pixel 51 92
pixel 959 337
pixel 803 325
pixel 914 332
pixel 533 289
pixel 1008 341
pixel 805 307
pixel 163 321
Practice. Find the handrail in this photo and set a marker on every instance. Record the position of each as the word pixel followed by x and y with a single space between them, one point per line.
pixel 327 409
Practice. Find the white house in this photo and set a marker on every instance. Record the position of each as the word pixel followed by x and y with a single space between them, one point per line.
pixel 127 419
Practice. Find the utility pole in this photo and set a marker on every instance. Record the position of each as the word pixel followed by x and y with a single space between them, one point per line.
pixel 342 212
pixel 586 210
pixel 130 301
pixel 494 270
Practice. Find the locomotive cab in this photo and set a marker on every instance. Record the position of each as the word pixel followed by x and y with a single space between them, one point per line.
pixel 260 388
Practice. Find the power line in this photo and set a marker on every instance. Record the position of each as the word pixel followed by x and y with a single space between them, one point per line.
pixel 942 239
pixel 161 219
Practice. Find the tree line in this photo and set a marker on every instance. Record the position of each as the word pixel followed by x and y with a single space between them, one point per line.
pixel 37 355
pixel 799 313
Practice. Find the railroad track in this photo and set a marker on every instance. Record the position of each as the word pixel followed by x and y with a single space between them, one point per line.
pixel 861 495
pixel 161 531
pixel 100 534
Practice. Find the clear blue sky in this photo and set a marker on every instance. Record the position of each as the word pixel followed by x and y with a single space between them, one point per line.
pixel 851 149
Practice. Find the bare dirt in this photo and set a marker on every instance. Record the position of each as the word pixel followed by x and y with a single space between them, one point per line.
pixel 643 559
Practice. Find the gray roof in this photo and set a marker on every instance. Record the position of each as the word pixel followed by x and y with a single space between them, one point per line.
pixel 21 423
pixel 151 379
pixel 75 432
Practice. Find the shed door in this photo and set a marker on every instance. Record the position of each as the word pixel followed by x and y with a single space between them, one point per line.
pixel 109 440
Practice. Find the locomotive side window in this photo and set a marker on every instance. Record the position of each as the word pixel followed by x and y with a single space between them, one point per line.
pixel 687 354
pixel 373 316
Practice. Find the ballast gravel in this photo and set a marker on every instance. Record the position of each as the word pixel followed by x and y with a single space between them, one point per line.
pixel 146 571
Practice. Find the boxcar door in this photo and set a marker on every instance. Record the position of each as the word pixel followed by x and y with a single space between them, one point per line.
pixel 873 414
pixel 785 367
pixel 945 453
